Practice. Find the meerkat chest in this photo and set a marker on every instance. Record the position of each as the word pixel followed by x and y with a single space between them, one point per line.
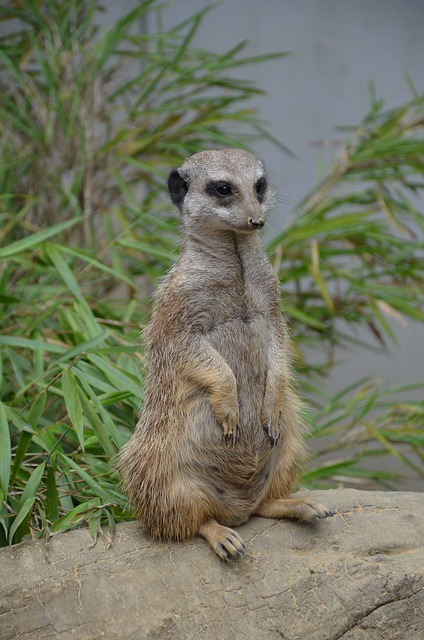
pixel 241 296
pixel 258 281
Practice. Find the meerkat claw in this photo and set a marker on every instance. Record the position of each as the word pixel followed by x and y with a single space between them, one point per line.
pixel 272 436
pixel 232 437
pixel 222 553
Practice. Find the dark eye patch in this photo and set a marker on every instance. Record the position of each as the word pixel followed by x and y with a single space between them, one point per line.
pixel 260 188
pixel 220 189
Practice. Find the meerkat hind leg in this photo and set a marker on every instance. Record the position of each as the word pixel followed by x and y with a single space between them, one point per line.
pixel 294 508
pixel 224 541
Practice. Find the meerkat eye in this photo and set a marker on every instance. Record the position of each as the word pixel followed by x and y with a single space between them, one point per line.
pixel 222 189
pixel 260 187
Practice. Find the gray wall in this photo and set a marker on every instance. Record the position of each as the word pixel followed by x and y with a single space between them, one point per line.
pixel 338 47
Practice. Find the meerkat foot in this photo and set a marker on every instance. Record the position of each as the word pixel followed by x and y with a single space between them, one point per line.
pixel 296 509
pixel 224 541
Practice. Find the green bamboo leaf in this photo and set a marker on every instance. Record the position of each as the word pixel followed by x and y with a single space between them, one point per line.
pixel 120 379
pixel 148 250
pixel 17 419
pixel 52 496
pixel 111 522
pixel 28 343
pixel 387 206
pixel 19 121
pixel 412 408
pixel 5 451
pixel 106 45
pixel 74 517
pixel 94 523
pixel 24 441
pixel 94 376
pixel 53 252
pixel 97 426
pixel 36 239
pixel 369 404
pixel 8 300
pixel 413 438
pixel 111 432
pixel 329 469
pixel 85 347
pixel 73 404
pixel 36 410
pixel 374 306
pixel 382 437
pixel 99 491
pixel 305 318
pixel 31 487
pixel 21 517
pixel 124 187
pixel 4 526
pixel 87 323
pixel 317 275
pixel 98 265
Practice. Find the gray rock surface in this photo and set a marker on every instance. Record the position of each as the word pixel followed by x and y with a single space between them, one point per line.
pixel 357 576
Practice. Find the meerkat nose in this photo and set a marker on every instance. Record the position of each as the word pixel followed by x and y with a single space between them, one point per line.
pixel 256 223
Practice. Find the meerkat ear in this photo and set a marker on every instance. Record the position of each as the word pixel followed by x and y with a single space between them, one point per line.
pixel 178 187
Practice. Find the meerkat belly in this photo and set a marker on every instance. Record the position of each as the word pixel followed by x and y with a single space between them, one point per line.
pixel 234 477
pixel 243 343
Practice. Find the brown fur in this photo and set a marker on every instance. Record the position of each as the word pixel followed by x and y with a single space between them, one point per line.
pixel 219 437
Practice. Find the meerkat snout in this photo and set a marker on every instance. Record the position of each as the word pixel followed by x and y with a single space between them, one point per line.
pixel 256 223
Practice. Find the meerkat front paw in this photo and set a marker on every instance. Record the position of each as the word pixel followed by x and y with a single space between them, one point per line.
pixel 232 437
pixel 230 426
pixel 228 417
pixel 272 426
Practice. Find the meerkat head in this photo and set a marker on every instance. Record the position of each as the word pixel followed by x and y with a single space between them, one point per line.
pixel 226 189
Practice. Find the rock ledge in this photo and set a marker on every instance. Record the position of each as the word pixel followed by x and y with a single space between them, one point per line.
pixel 357 576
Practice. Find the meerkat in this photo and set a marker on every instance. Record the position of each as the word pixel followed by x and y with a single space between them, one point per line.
pixel 220 434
